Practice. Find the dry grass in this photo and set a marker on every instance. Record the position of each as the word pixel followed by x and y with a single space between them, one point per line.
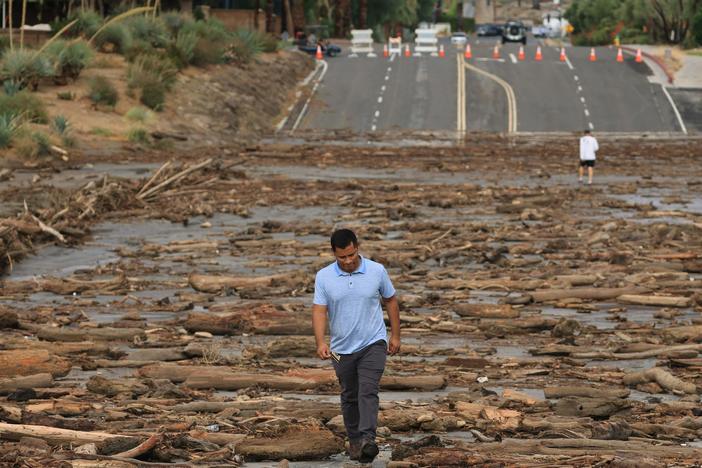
pixel 212 354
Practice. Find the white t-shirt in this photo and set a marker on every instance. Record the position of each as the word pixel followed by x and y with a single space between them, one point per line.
pixel 588 147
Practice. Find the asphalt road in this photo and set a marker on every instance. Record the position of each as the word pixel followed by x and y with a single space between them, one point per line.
pixel 421 93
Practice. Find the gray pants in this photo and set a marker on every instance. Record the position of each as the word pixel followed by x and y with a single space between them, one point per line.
pixel 359 376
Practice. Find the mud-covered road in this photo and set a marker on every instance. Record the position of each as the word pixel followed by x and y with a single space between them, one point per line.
pixel 158 312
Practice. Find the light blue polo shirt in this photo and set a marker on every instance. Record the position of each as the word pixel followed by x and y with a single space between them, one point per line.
pixel 353 304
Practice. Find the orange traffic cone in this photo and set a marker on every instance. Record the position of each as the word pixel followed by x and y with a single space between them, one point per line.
pixel 407 51
pixel 319 55
pixel 639 58
pixel 442 53
pixel 496 52
pixel 593 57
pixel 563 55
pixel 620 56
pixel 538 55
pixel 521 56
pixel 468 54
pixel 386 54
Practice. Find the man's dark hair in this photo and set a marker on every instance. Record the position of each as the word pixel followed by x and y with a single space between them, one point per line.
pixel 342 238
pixel 587 131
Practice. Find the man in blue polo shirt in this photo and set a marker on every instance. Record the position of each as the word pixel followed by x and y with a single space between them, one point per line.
pixel 349 292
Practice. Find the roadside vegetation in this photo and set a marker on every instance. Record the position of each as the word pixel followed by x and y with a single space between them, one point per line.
pixel 156 48
pixel 599 22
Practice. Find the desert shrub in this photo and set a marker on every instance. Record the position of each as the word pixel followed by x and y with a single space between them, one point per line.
pixel 69 58
pixel 150 68
pixel 32 145
pixel 9 124
pixel 182 49
pixel 211 29
pixel 11 88
pixel 24 68
pixel 139 48
pixel 4 43
pixel 173 21
pixel 117 36
pixel 207 52
pixel 139 114
pixel 247 44
pixel 102 91
pixel 88 24
pixel 153 95
pixel 25 105
pixel 60 124
pixel 65 95
pixel 99 131
pixel 138 135
pixel 149 29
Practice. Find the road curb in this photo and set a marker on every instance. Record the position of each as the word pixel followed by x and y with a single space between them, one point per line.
pixel 656 60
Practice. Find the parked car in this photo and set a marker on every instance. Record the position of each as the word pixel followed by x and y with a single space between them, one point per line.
pixel 488 30
pixel 514 31
pixel 330 50
pixel 459 38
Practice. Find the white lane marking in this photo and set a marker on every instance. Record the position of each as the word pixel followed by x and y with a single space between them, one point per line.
pixel 675 110
pixel 580 89
pixel 389 69
pixel 382 89
pixel 373 128
pixel 589 124
pixel 380 99
pixel 576 77
pixel 582 99
pixel 513 58
pixel 387 77
pixel 587 113
pixel 392 56
pixel 570 65
pixel 309 98
pixel 377 114
pixel 485 59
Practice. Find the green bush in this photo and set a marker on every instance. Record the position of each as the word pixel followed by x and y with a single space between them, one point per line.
pixel 182 50
pixel 88 24
pixel 207 52
pixel 66 95
pixel 696 28
pixel 24 105
pixel 9 124
pixel 69 59
pixel 138 135
pixel 4 43
pixel 24 68
pixel 174 21
pixel 60 124
pixel 10 87
pixel 149 29
pixel 102 91
pixel 153 95
pixel 117 35
pixel 151 68
pixel 139 48
pixel 247 44
pixel 32 145
pixel 139 114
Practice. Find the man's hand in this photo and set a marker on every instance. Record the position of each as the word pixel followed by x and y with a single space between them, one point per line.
pixel 323 351
pixel 394 345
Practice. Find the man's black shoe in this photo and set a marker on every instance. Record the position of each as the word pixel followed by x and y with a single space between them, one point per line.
pixel 369 450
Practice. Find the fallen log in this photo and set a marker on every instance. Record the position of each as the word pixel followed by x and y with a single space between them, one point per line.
pixel 56 436
pixel 216 284
pixel 660 351
pixel 585 392
pixel 142 448
pixel 495 311
pixel 413 382
pixel 23 362
pixel 590 407
pixel 663 301
pixel 662 377
pixel 595 294
pixel 25 382
pixel 681 334
pixel 84 334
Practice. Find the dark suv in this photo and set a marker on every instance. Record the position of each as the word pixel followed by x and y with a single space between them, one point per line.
pixel 514 31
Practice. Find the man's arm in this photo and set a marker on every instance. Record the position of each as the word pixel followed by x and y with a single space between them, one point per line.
pixel 319 323
pixel 394 316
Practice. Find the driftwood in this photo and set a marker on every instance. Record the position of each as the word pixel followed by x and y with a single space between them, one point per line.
pixel 23 362
pixel 585 392
pixel 486 311
pixel 664 301
pixel 413 382
pixel 142 448
pixel 592 407
pixel 25 382
pixel 216 284
pixel 596 294
pixel 662 377
pixel 660 351
pixel 57 436
pixel 83 334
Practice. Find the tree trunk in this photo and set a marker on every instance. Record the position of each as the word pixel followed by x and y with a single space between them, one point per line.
pixel 55 435
pixel 298 16
pixel 363 14
pixel 270 24
pixel 289 25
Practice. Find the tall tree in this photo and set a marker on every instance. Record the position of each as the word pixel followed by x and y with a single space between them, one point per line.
pixel 362 14
pixel 671 18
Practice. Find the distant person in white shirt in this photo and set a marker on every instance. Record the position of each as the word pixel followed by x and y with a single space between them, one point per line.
pixel 588 148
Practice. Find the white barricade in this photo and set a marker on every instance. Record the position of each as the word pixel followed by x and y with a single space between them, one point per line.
pixel 395 45
pixel 362 42
pixel 426 41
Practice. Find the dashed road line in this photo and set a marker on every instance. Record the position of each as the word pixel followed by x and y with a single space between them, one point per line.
pixel 513 58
